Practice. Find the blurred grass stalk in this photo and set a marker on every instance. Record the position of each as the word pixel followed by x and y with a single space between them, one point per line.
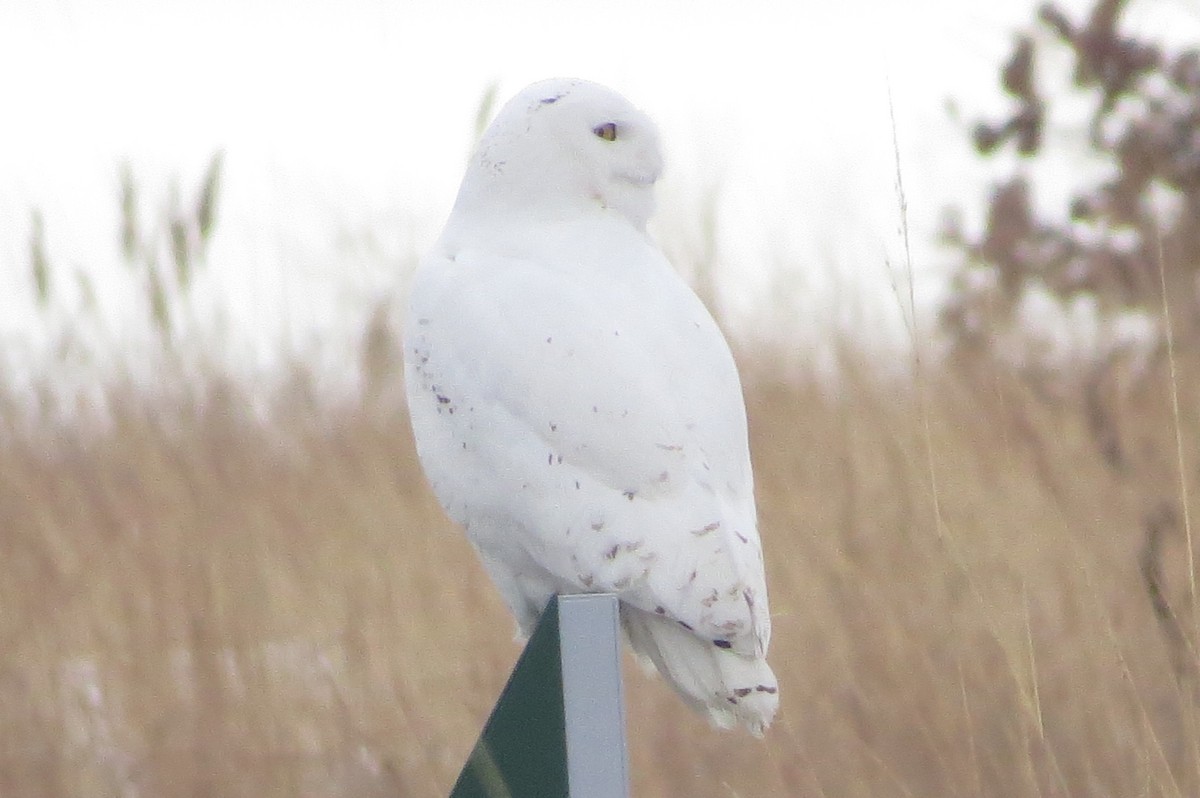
pixel 198 601
pixel 201 597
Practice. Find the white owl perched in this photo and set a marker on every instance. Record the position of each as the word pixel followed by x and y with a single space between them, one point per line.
pixel 575 407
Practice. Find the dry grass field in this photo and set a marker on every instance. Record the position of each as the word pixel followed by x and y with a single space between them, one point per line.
pixel 220 589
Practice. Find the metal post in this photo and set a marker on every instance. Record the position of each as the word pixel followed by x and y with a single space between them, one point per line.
pixel 558 729
pixel 593 699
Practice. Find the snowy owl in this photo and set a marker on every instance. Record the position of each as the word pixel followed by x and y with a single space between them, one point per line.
pixel 575 407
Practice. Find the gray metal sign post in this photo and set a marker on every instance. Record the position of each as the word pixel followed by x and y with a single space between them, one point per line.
pixel 594 703
pixel 558 728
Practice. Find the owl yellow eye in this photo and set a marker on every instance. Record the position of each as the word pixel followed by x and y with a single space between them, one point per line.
pixel 607 131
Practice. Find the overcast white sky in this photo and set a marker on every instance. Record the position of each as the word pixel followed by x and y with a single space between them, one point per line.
pixel 345 126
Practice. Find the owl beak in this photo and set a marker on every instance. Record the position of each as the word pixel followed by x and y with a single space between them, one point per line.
pixel 645 172
pixel 639 178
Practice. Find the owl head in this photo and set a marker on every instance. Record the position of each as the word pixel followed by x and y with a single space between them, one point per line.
pixel 562 147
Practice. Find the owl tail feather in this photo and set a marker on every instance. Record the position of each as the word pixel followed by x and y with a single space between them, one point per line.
pixel 729 687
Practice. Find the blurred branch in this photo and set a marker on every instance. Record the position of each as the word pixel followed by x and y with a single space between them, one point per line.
pixel 1123 245
pixel 130 230
pixel 483 113
pixel 39 262
pixel 206 203
pixel 187 229
pixel 1146 120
